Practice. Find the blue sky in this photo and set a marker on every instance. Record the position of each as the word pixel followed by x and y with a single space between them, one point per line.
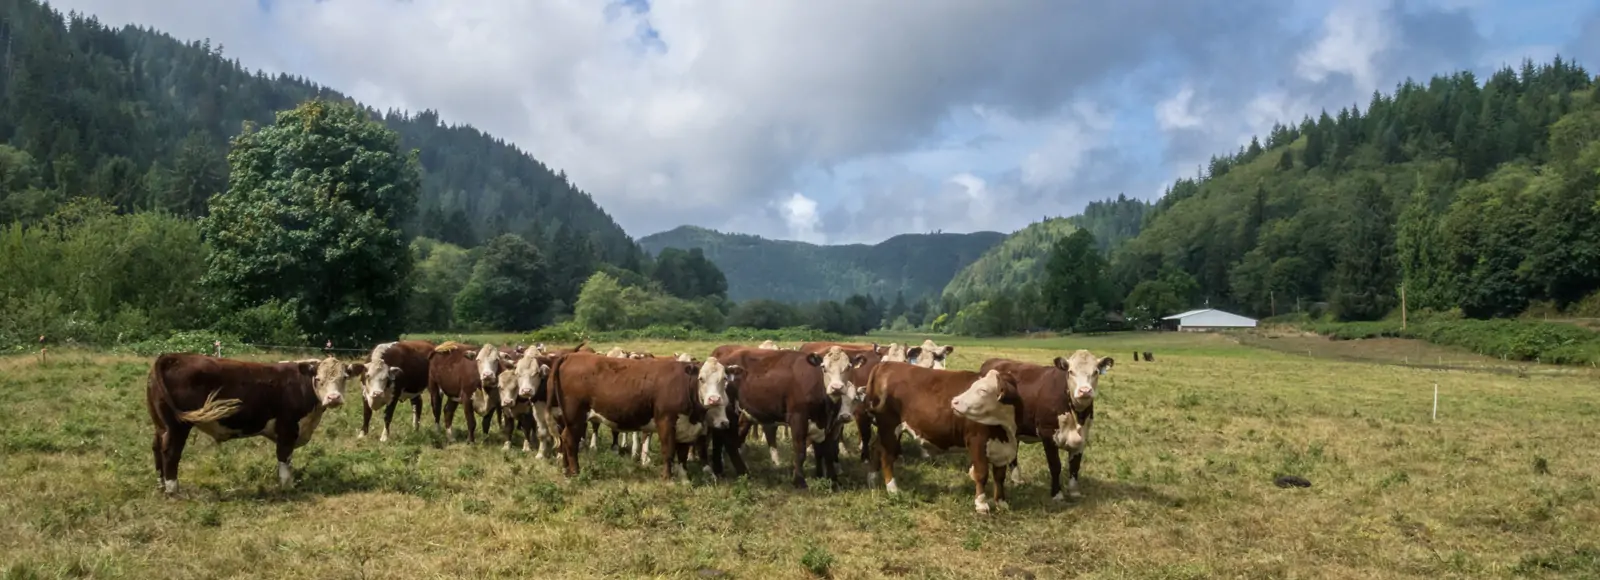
pixel 841 121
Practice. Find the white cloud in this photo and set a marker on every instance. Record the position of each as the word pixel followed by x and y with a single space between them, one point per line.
pixel 1178 111
pixel 721 116
pixel 800 214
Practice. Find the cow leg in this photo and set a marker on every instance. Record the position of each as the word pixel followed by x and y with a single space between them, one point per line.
pixel 571 437
pixel 288 434
pixel 594 424
pixel 438 399
pixel 979 471
pixel 472 417
pixel 665 426
pixel 510 427
pixel 1052 456
pixel 771 431
pixel 1000 487
pixel 526 422
pixel 864 427
pixel 641 445
pixel 449 420
pixel 1073 464
pixel 169 444
pixel 888 450
pixel 797 424
pixel 416 413
pixel 388 415
pixel 545 430
pixel 366 419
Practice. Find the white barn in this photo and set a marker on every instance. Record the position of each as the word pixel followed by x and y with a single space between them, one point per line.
pixel 1206 319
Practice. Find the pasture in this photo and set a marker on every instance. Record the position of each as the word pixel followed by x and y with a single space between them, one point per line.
pixel 1177 484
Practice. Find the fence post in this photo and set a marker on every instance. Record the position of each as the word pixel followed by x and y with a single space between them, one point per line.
pixel 218 345
pixel 1436 401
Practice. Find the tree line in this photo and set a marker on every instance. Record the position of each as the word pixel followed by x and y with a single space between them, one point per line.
pixel 1478 198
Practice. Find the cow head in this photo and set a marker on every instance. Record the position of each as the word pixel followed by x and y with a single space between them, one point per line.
pixel 898 353
pixel 1083 375
pixel 328 377
pixel 836 366
pixel 715 380
pixel 617 352
pixel 935 355
pixel 378 380
pixel 489 365
pixel 990 400
pixel 768 345
pixel 531 372
pixel 684 357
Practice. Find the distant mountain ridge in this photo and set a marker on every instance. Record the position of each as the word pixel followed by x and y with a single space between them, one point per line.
pixel 919 265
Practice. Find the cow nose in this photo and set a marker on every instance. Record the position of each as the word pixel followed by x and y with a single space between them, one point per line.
pixel 335 399
pixel 714 400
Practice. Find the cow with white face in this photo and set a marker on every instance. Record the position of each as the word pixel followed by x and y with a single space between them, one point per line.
pixel 1058 409
pixel 944 410
pixel 683 357
pixel 518 407
pixel 768 345
pixel 394 372
pixel 929 355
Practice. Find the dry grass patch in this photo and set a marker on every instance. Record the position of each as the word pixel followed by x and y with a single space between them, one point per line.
pixel 1178 484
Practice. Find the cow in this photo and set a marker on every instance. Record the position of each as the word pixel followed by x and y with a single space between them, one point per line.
pixel 634 444
pixel 936 355
pixel 810 393
pixel 1058 409
pixel 231 399
pixel 522 402
pixel 682 399
pixel 452 373
pixel 491 363
pixel 683 357
pixel 984 419
pixel 768 345
pixel 394 372
pixel 896 353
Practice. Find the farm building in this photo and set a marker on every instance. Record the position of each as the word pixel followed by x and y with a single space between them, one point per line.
pixel 1206 319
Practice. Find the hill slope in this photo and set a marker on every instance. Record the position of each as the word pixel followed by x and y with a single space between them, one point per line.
pixel 1020 259
pixel 1478 196
pixel 143 120
pixel 917 264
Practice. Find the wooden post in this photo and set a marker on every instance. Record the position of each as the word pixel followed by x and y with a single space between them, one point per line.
pixel 1436 401
pixel 1402 306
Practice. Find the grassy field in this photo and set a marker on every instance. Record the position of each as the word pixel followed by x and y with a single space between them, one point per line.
pixel 1178 484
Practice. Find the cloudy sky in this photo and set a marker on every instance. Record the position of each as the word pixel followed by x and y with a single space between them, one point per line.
pixel 851 121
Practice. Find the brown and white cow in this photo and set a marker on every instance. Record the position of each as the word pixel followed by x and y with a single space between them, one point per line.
pixel 935 355
pixel 394 372
pixel 681 399
pixel 533 384
pixel 518 389
pixel 634 444
pixel 945 410
pixel 231 399
pixel 453 375
pixel 810 393
pixel 1058 409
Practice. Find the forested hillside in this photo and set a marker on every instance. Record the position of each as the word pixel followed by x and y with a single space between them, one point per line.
pixel 1019 260
pixel 914 265
pixel 142 120
pixel 1478 196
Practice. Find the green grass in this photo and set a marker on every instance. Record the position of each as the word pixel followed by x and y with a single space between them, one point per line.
pixel 1178 484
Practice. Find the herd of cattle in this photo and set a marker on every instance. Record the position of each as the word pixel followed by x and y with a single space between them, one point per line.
pixel 554 398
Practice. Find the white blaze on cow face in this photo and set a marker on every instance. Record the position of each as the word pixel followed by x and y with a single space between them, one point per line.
pixel 378 386
pixel 714 378
pixel 1083 376
pixel 990 400
pixel 836 366
pixel 617 352
pixel 930 355
pixel 328 380
pixel 685 357
pixel 488 365
pixel 897 353
pixel 508 388
pixel 529 373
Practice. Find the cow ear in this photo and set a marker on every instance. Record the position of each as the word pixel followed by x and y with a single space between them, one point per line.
pixel 1105 364
pixel 472 355
pixel 394 372
pixel 543 370
pixel 913 352
pixel 308 368
pixel 1061 363
pixel 949 349
pixel 691 369
pixel 734 371
pixel 1008 390
pixel 814 358
pixel 355 370
pixel 858 360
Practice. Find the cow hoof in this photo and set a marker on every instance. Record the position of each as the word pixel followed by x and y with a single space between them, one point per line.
pixel 983 508
pixel 891 487
pixel 526 448
pixel 170 486
pixel 361 435
pixel 1059 497
pixel 1002 505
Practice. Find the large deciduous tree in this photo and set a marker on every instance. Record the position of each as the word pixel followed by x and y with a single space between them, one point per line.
pixel 1074 277
pixel 312 218
pixel 508 290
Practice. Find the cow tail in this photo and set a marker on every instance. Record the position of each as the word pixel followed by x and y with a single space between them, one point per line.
pixel 553 386
pixel 875 393
pixel 212 410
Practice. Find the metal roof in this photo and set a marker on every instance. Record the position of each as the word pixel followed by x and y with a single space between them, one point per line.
pixel 1186 314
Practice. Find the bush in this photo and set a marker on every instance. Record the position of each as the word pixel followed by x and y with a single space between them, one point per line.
pixel 1522 340
pixel 198 342
pixel 570 334
pixel 273 323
